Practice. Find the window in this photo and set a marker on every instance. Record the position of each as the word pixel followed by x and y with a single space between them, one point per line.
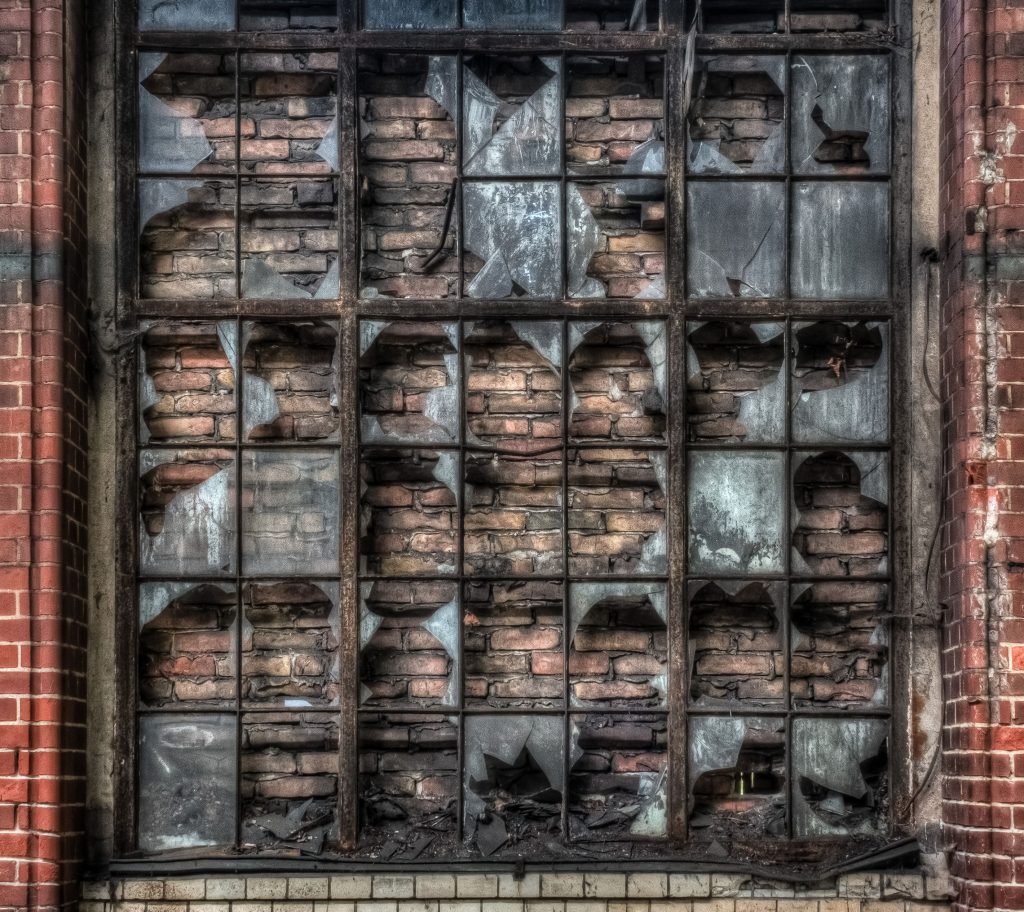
pixel 515 468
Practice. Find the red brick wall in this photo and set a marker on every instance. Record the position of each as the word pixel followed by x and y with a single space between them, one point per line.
pixel 982 550
pixel 42 442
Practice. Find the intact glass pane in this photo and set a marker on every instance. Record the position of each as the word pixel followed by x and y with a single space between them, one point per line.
pixel 410 14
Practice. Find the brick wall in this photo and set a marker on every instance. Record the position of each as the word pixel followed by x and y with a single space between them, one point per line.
pixel 42 434
pixel 982 551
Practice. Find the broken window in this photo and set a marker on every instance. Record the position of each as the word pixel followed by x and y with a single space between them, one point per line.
pixel 514 468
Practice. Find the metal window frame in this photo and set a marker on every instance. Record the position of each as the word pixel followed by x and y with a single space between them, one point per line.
pixel 676 308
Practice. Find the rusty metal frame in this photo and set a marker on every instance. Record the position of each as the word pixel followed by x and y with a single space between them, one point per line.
pixel 346 311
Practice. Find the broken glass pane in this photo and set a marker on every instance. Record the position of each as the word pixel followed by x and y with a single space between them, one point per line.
pixel 187 15
pixel 841 382
pixel 408 165
pixel 618 645
pixel 736 116
pixel 612 15
pixel 737 778
pixel 513 644
pixel 408 786
pixel 616 241
pixel 617 512
pixel 840 776
pixel 187 502
pixel 187 382
pixel 186 781
pixel 841 515
pixel 410 14
pixel 513 782
pixel 290 380
pixel 619 378
pixel 838 16
pixel 839 646
pixel 290 643
pixel 512 239
pixel 736 642
pixel 409 643
pixel 618 784
pixel 289 117
pixel 409 513
pixel 736 388
pixel 512 15
pixel 514 384
pixel 276 15
pixel 513 518
pixel 510 116
pixel 745 17
pixel 186 112
pixel 290 512
pixel 736 239
pixel 187 238
pixel 840 246
pixel 840 114
pixel 409 382
pixel 289 787
pixel 614 121
pixel 737 512
pixel 289 239
pixel 186 644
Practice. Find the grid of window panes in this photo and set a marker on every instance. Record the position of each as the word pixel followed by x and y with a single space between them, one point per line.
pixel 512 472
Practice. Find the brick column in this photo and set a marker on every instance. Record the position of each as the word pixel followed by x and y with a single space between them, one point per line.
pixel 983 390
pixel 42 443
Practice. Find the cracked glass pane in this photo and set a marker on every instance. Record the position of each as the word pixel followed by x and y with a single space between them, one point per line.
pixel 513 515
pixel 187 502
pixel 408 165
pixel 618 373
pixel 289 787
pixel 290 644
pixel 618 783
pixel 290 380
pixel 186 644
pixel 513 782
pixel 410 14
pixel 841 382
pixel 289 117
pixel 289 239
pixel 408 785
pixel 618 645
pixel 514 384
pixel 186 238
pixel 186 781
pixel 737 778
pixel 841 514
pixel 513 247
pixel 838 16
pixel 736 116
pixel 408 382
pixel 736 239
pixel 617 512
pixel 290 505
pixel 840 245
pixel 409 644
pixel 186 112
pixel 512 15
pixel 187 15
pixel 614 121
pixel 513 644
pixel 745 17
pixel 187 382
pixel 737 512
pixel 616 241
pixel 840 114
pixel 736 387
pixel 277 15
pixel 737 644
pixel 840 777
pixel 409 513
pixel 839 645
